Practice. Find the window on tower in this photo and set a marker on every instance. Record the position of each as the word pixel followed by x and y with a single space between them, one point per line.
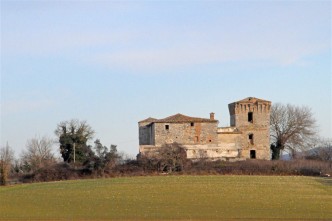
pixel 250 117
pixel 252 154
pixel 251 138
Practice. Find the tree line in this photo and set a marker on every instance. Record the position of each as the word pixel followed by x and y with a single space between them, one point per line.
pixel 292 129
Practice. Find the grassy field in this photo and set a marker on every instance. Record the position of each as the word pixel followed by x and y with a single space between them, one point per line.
pixel 171 198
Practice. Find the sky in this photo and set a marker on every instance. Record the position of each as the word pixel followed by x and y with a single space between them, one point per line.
pixel 114 63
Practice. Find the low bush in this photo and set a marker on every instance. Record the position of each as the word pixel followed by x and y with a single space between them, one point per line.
pixel 263 167
pixel 63 171
pixel 55 172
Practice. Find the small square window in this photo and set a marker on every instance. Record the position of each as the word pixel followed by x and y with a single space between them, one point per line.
pixel 192 124
pixel 167 127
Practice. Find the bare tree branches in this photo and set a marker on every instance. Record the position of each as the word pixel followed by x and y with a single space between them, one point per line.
pixel 292 128
pixel 81 131
pixel 38 153
pixel 321 151
pixel 6 159
pixel 325 150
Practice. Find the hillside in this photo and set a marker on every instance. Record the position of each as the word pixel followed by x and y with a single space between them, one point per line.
pixel 171 197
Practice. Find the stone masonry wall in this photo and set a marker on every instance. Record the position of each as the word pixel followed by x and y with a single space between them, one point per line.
pixel 258 128
pixel 146 133
pixel 247 137
pixel 196 133
pixel 230 141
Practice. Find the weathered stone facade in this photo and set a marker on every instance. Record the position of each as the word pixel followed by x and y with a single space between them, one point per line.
pixel 247 137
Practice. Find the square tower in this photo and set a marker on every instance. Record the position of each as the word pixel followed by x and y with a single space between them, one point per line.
pixel 252 117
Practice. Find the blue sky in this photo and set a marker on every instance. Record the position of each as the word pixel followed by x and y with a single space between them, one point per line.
pixel 113 63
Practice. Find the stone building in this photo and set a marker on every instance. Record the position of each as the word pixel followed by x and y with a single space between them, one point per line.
pixel 248 135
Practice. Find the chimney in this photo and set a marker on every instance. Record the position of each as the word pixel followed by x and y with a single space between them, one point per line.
pixel 211 116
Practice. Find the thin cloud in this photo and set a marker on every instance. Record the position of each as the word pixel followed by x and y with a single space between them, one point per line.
pixel 50 43
pixel 168 48
pixel 279 35
pixel 197 53
pixel 18 106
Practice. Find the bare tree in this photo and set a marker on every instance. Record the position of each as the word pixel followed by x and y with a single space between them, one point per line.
pixel 325 150
pixel 6 159
pixel 171 157
pixel 124 157
pixel 202 155
pixel 292 128
pixel 38 153
pixel 321 151
pixel 167 158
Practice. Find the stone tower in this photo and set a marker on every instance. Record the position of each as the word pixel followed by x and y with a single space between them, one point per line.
pixel 252 118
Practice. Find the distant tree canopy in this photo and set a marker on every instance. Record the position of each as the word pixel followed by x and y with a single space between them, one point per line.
pixel 105 159
pixel 292 128
pixel 74 134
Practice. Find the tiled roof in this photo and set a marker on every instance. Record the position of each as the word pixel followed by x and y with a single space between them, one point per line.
pixel 251 100
pixel 183 118
pixel 148 120
pixel 178 118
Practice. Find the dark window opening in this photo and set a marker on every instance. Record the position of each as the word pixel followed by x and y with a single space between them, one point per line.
pixel 210 141
pixel 252 154
pixel 192 124
pixel 167 127
pixel 251 138
pixel 250 117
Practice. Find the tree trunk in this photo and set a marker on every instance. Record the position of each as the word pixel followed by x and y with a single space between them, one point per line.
pixel 293 154
pixel 276 149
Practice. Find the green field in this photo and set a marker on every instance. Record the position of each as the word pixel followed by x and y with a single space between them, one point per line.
pixel 171 198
